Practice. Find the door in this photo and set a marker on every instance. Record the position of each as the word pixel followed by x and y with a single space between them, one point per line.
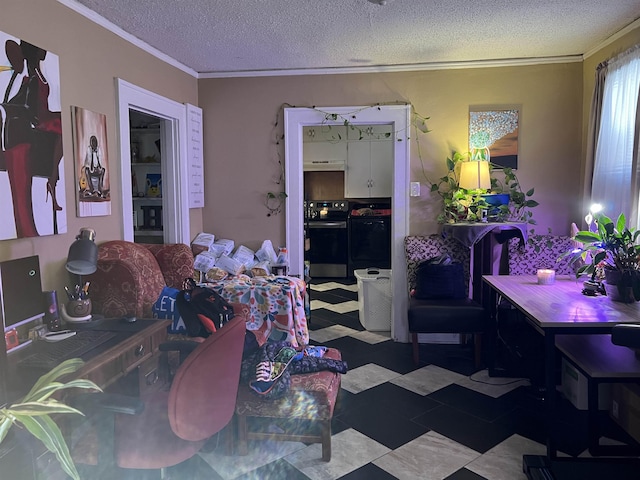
pixel 173 129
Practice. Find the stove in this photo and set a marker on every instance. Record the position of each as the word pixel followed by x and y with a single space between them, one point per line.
pixel 326 230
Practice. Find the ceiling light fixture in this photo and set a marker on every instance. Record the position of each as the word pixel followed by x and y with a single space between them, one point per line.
pixel 379 2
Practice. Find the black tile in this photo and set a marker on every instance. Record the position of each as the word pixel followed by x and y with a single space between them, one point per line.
pixel 454 357
pixel 395 356
pixel 387 397
pixel 390 428
pixel 368 472
pixel 475 403
pixel 334 296
pixel 466 429
pixel 464 474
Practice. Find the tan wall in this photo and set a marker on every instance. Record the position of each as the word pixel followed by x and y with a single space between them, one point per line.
pixel 90 60
pixel 239 115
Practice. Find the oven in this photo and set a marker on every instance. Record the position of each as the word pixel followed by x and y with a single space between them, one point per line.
pixel 325 224
pixel 369 236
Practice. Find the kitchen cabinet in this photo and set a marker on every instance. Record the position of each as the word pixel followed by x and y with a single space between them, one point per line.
pixel 146 183
pixel 324 147
pixel 369 172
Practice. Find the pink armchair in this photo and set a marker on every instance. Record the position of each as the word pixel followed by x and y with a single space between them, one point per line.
pixel 131 276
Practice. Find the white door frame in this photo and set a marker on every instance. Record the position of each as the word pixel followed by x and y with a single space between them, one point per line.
pixel 175 201
pixel 400 117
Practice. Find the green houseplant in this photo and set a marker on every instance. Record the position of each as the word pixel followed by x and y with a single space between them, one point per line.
pixel 612 253
pixel 460 204
pixel 34 412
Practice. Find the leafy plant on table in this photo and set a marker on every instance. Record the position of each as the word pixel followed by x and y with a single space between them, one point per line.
pixel 34 412
pixel 613 247
pixel 460 204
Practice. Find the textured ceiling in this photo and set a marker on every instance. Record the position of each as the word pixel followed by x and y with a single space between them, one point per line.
pixel 241 36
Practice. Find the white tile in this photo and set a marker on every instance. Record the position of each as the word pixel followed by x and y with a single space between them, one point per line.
pixel 323 335
pixel 372 337
pixel 315 304
pixel 261 452
pixel 492 386
pixel 430 456
pixel 344 307
pixel 504 461
pixel 323 287
pixel 366 376
pixel 427 379
pixel 350 450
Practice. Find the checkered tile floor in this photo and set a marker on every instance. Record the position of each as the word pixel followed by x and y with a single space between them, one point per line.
pixel 440 420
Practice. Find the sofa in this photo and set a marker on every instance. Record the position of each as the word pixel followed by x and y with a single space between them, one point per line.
pixel 131 276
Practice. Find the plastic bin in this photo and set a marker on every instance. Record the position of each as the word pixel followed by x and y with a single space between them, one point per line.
pixel 374 298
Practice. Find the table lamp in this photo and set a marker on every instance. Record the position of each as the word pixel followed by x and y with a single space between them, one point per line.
pixel 83 253
pixel 474 175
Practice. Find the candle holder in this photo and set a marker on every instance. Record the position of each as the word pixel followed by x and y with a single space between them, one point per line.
pixel 546 276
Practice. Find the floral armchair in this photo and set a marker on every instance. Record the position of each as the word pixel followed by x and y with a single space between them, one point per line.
pixel 130 276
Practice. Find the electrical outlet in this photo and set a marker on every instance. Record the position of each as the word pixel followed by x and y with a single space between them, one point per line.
pixel 415 189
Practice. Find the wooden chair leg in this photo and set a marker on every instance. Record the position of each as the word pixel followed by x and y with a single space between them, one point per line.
pixel 243 448
pixel 416 348
pixel 326 440
pixel 477 340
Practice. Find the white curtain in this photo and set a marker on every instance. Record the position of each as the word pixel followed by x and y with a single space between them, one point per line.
pixel 614 184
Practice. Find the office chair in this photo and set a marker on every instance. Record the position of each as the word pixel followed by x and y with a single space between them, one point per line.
pixel 167 427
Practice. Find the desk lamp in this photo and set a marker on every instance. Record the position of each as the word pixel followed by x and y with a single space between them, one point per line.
pixel 83 253
pixel 474 175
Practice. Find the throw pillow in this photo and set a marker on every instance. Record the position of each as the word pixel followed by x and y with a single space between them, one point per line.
pixel 438 281
pixel 165 307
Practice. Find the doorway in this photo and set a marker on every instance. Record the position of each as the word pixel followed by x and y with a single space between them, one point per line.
pixel 172 134
pixel 400 117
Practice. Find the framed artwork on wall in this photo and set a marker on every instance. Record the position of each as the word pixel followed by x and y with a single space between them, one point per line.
pixel 493 135
pixel 91 162
pixel 32 190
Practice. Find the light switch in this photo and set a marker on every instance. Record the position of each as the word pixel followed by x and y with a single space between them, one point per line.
pixel 415 189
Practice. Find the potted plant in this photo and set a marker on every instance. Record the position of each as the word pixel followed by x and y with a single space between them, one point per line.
pixel 460 204
pixel 611 253
pixel 34 412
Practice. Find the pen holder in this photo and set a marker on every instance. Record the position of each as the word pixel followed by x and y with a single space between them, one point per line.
pixel 79 308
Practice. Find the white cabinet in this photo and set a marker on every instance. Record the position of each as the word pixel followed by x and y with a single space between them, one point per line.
pixel 146 183
pixel 369 172
pixel 324 147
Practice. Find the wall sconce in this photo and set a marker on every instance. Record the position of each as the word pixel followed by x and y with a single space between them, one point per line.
pixel 83 253
pixel 474 175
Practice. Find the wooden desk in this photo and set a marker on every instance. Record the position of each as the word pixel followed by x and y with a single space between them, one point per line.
pixel 134 346
pixel 553 310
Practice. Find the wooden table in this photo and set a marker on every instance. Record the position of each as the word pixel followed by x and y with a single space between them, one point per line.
pixel 553 310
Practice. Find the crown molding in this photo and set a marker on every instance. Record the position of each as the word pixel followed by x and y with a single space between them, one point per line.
pixel 613 38
pixel 103 22
pixel 413 67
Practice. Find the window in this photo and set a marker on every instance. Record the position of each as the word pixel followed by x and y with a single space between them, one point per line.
pixel 614 183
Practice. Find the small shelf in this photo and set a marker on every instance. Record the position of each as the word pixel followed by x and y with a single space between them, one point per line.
pixel 151 200
pixel 148 233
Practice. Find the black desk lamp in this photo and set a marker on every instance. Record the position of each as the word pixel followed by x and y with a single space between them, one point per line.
pixel 83 253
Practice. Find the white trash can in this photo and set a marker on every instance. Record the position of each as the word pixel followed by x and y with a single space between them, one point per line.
pixel 374 298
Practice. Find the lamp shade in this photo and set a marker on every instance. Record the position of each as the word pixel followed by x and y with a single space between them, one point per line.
pixel 474 175
pixel 83 254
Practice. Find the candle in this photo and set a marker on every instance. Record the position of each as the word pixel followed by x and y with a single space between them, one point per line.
pixel 546 276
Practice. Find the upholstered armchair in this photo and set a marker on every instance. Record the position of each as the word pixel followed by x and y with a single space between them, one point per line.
pixel 131 276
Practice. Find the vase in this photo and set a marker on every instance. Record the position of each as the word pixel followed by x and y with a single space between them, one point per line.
pixel 616 291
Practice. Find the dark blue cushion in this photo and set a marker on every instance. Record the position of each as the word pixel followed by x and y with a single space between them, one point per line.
pixel 165 307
